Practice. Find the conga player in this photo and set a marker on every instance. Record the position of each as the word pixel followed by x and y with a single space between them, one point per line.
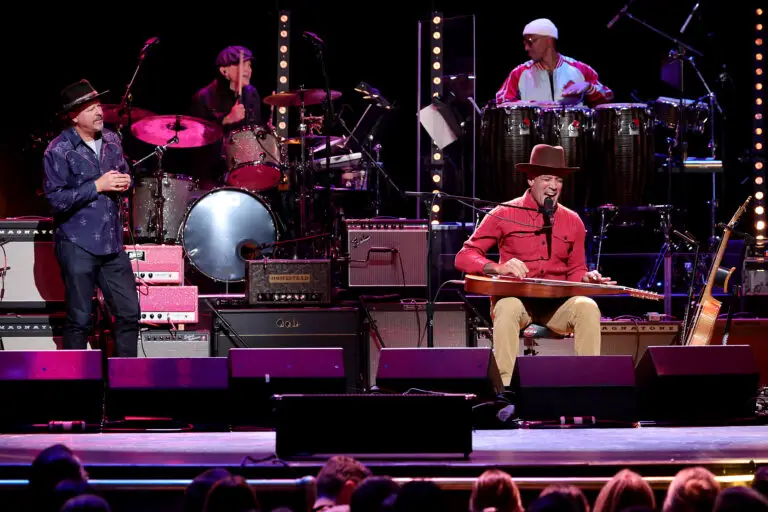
pixel 550 76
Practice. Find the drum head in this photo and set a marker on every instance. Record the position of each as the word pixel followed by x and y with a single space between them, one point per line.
pixel 223 229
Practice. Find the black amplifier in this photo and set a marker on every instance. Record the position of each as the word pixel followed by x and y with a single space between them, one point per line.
pixel 300 327
pixel 288 282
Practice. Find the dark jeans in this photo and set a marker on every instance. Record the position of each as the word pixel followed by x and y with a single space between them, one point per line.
pixel 81 272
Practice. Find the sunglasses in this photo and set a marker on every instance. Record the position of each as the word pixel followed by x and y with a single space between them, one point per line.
pixel 528 41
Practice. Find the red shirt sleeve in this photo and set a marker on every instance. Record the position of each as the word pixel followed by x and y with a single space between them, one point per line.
pixel 597 93
pixel 577 266
pixel 510 89
pixel 471 258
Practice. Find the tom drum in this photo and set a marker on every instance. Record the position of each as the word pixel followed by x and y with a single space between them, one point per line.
pixel 254 155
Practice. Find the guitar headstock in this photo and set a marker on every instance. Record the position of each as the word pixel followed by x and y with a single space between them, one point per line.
pixel 645 294
pixel 738 213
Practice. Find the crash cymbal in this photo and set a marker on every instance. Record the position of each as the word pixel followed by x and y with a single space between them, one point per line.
pixel 112 114
pixel 293 98
pixel 193 132
pixel 312 140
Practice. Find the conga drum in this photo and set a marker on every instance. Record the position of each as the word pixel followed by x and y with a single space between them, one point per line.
pixel 624 155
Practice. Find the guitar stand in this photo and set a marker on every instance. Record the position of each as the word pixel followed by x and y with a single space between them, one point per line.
pixel 735 293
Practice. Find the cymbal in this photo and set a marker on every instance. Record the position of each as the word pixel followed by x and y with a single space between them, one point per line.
pixel 193 132
pixel 112 114
pixel 293 98
pixel 312 140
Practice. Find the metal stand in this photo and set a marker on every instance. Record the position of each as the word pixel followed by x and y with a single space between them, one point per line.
pixel 664 258
pixel 158 194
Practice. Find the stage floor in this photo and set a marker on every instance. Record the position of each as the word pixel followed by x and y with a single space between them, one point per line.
pixel 654 451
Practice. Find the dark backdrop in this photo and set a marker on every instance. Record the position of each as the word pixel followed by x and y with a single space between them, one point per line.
pixel 374 42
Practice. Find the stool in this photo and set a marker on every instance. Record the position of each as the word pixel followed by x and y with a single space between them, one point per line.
pixel 534 333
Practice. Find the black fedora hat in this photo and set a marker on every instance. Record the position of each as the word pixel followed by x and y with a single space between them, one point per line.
pixel 77 94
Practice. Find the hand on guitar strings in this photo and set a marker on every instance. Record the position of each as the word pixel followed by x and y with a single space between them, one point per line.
pixel 513 267
pixel 595 277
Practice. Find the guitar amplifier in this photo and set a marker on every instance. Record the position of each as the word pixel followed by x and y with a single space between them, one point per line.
pixel 30 277
pixel 288 282
pixel 168 304
pixel 173 343
pixel 34 332
pixel 387 252
pixel 157 264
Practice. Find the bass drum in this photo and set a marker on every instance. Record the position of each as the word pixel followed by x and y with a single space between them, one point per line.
pixel 225 228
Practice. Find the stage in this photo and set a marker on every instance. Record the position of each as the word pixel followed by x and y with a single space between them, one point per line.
pixel 534 455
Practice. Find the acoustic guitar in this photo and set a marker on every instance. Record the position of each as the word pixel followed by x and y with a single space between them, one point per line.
pixel 708 308
pixel 506 286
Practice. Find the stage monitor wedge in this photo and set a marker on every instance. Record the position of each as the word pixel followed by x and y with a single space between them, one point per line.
pixel 549 387
pixel 698 384
pixel 49 387
pixel 442 370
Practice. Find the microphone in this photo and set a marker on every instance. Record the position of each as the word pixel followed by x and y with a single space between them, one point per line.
pixel 618 14
pixel 309 36
pixel 150 43
pixel 690 17
pixel 549 209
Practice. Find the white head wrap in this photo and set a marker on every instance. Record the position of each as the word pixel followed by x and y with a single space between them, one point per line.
pixel 541 27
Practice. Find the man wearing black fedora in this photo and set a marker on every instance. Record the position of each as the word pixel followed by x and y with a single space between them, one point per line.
pixel 546 243
pixel 85 173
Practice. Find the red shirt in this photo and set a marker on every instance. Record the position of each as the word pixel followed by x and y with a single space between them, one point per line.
pixel 518 234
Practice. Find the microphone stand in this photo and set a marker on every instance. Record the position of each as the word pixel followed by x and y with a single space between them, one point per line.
pixel 328 107
pixel 158 195
pixel 127 99
pixel 691 285
pixel 433 196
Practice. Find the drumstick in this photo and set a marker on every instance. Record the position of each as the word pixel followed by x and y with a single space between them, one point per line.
pixel 240 76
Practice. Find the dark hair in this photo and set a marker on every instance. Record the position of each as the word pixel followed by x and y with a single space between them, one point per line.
pixel 231 494
pixel 86 502
pixel 743 499
pixel 553 502
pixel 197 491
pixel 51 466
pixel 624 490
pixel 336 472
pixel 572 493
pixel 495 489
pixel 420 496
pixel 372 494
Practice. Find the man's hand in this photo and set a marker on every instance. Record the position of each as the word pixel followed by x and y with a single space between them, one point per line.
pixel 235 115
pixel 576 89
pixel 595 277
pixel 513 267
pixel 113 181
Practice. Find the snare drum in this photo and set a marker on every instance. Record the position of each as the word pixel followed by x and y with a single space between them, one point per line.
pixel 624 152
pixel 694 114
pixel 177 191
pixel 254 155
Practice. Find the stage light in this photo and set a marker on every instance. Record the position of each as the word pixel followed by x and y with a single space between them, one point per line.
pixel 759 12
pixel 283 71
pixel 759 26
pixel 759 71
pixel 760 225
pixel 758 41
pixel 759 196
pixel 436 91
pixel 758 165
pixel 759 210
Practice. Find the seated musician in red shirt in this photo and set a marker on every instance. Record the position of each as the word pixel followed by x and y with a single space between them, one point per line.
pixel 543 244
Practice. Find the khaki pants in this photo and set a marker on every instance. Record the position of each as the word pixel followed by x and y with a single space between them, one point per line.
pixel 579 315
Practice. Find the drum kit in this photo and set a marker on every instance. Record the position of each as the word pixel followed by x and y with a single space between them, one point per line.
pixel 614 144
pixel 222 225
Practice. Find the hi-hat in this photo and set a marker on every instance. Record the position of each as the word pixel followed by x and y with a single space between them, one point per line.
pixel 113 115
pixel 192 132
pixel 294 98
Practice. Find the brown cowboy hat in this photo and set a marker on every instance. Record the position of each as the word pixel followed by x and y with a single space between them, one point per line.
pixel 546 159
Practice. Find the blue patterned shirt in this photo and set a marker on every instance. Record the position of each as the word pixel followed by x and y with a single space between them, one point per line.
pixel 80 214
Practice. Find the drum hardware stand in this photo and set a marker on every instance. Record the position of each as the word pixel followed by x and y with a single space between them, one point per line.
pixel 664 257
pixel 432 197
pixel 688 238
pixel 127 99
pixel 158 194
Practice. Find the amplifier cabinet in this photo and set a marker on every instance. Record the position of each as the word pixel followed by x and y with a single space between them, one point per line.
pixel 623 337
pixel 30 277
pixel 34 332
pixel 289 281
pixel 391 252
pixel 306 327
pixel 404 325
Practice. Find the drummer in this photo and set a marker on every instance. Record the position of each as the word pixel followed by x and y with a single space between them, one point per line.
pixel 221 101
pixel 550 76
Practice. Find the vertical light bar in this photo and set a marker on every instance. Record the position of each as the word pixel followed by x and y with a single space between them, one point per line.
pixel 757 134
pixel 436 91
pixel 283 65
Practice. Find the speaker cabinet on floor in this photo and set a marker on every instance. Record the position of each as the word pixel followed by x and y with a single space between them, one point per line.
pixel 256 374
pixel 179 391
pixel 549 387
pixel 360 425
pixel 449 370
pixel 39 387
pixel 698 383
